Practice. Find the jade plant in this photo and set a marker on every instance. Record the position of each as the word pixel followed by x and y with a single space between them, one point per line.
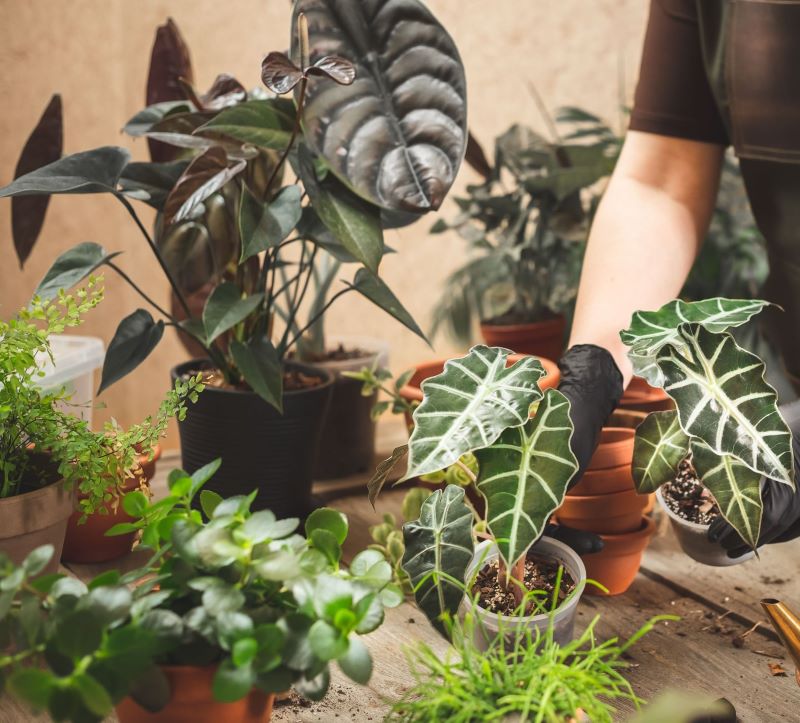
pixel 478 405
pixel 726 414
pixel 41 440
pixel 240 591
pixel 230 219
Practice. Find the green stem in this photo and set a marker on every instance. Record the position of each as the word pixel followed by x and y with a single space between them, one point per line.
pixel 317 316
pixel 297 300
pixel 141 293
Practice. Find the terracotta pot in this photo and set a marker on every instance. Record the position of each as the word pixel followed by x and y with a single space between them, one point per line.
pixel 605 513
pixel 193 702
pixel 628 418
pixel 87 542
pixel 413 393
pixel 640 396
pixel 603 481
pixel 540 338
pixel 33 519
pixel 615 449
pixel 616 565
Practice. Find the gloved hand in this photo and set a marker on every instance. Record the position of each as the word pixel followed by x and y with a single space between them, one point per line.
pixel 780 520
pixel 592 382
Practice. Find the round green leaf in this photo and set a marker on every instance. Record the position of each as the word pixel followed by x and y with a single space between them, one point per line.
pixel 93 694
pixel 327 544
pixel 328 519
pixel 36 561
pixel 326 641
pixel 244 650
pixel 31 685
pixel 356 662
pixel 232 683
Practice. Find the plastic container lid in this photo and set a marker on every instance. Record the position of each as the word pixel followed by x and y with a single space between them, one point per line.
pixel 74 356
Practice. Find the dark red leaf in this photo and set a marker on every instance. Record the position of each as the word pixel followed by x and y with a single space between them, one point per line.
pixel 169 62
pixel 224 91
pixel 476 157
pixel 336 68
pixel 43 146
pixel 279 73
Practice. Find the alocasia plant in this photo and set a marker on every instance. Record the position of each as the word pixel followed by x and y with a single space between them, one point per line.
pixel 480 405
pixel 726 413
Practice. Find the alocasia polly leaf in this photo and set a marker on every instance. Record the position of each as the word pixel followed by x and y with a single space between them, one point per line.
pixel 723 398
pixel 524 476
pixel 659 446
pixel 136 336
pixel 438 550
pixel 469 405
pixel 736 488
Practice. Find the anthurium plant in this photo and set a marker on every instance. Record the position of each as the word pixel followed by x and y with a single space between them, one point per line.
pixel 41 441
pixel 237 590
pixel 726 414
pixel 237 235
pixel 478 405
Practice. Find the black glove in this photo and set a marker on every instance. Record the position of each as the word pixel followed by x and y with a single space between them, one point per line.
pixel 592 382
pixel 780 520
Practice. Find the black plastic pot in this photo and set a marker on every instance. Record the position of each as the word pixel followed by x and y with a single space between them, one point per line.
pixel 260 448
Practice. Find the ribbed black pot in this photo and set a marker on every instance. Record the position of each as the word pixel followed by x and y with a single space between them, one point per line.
pixel 260 448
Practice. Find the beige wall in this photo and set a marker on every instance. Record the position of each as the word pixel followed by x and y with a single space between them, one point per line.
pixel 96 52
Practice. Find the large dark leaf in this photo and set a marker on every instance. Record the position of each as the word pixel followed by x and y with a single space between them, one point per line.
pixel 189 255
pixel 71 267
pixel 261 368
pixel 373 288
pixel 265 123
pixel 169 62
pixel 225 91
pixel 397 135
pixel 204 176
pixel 151 182
pixel 95 171
pixel 43 146
pixel 476 157
pixel 136 336
pixel 263 225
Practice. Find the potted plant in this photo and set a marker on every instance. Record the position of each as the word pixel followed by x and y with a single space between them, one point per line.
pixel 228 612
pixel 262 411
pixel 525 226
pixel 478 405
pixel 707 457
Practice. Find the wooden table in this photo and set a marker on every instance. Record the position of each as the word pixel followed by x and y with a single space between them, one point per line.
pixel 698 653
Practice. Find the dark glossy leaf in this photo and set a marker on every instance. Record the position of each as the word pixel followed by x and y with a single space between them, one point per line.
pixel 141 122
pixel 476 157
pixel 375 289
pixel 44 146
pixel 188 253
pixel 108 603
pixel 151 182
pixel 340 70
pixel 264 123
pixel 225 91
pixel 71 267
pixel 205 175
pixel 79 633
pixel 279 73
pixel 151 689
pixel 328 519
pixel 264 225
pixel 225 308
pixel 136 336
pixel 95 171
pixel 402 153
pixel 261 368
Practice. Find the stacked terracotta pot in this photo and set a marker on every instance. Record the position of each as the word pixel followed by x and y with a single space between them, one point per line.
pixel 606 503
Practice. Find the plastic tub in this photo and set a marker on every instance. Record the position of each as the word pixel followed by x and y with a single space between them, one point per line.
pixel 487 623
pixel 75 360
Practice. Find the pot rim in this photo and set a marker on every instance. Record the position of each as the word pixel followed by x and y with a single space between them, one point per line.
pixel 328 377
pixel 647 528
pixel 555 321
pixel 41 492
pixel 609 497
pixel 490 552
pixel 377 349
pixel 684 522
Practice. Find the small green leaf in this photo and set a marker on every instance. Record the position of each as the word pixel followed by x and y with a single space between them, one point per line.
pixel 222 598
pixel 326 641
pixel 79 633
pixel 93 694
pixel 209 501
pixel 31 685
pixel 37 560
pixel 136 336
pixel 108 604
pixel 327 543
pixel 265 225
pixel 261 368
pixel 71 267
pixel 356 662
pixel 135 503
pixel 328 519
pixel 205 473
pixel 225 308
pixel 122 528
pixel 232 683
pixel 262 526
pixel 243 652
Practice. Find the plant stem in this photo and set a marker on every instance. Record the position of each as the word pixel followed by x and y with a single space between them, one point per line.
pixel 318 315
pixel 297 300
pixel 466 470
pixel 141 293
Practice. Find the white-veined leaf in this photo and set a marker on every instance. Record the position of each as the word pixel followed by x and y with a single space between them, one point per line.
pixel 524 476
pixel 438 550
pixel 723 399
pixel 469 405
pixel 659 446
pixel 736 488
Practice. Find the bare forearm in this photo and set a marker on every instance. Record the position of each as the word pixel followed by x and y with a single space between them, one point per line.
pixel 645 237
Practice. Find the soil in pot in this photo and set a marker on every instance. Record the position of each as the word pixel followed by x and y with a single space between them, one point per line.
pixel 541 576
pixel 261 449
pixel 688 499
pixel 87 542
pixel 192 701
pixel 513 331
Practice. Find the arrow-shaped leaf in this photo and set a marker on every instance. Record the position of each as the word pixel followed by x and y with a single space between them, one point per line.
pixel 524 476
pixel 264 123
pixel 225 308
pixel 264 225
pixel 438 550
pixel 136 336
pixel 659 446
pixel 259 364
pixel 469 405
pixel 736 488
pixel 71 267
pixel 723 399
pixel 382 471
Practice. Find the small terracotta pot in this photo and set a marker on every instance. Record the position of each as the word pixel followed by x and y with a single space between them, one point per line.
pixel 603 481
pixel 616 565
pixel 540 338
pixel 615 449
pixel 87 542
pixel 36 518
pixel 412 391
pixel 640 396
pixel 628 418
pixel 605 513
pixel 192 701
